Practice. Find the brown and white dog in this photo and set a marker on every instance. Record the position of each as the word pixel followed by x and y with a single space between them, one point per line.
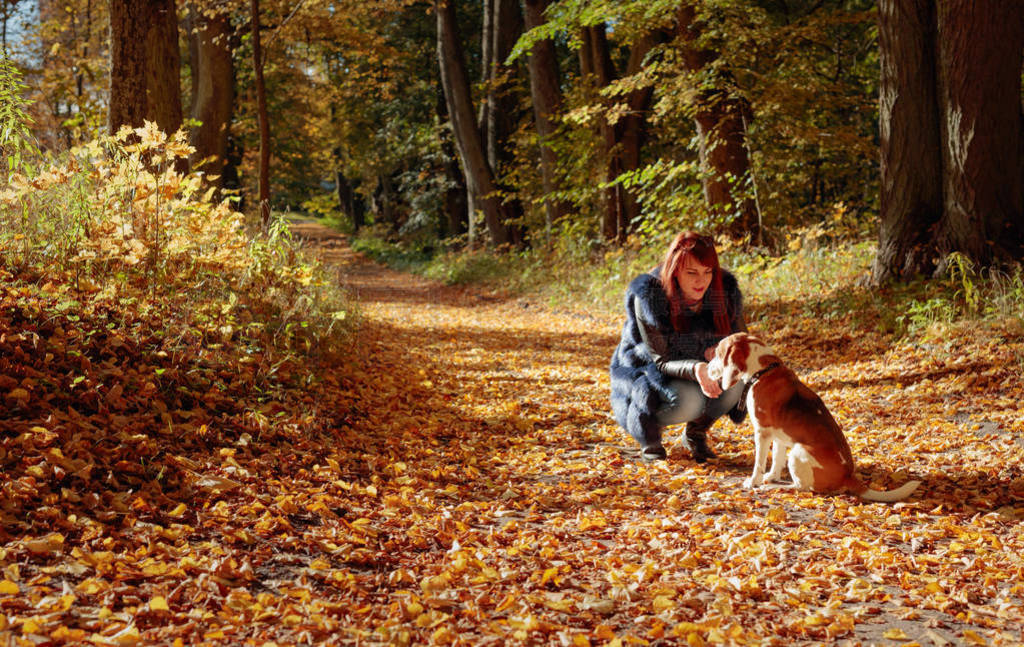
pixel 787 414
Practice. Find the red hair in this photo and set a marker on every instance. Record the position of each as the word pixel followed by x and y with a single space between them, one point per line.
pixel 702 249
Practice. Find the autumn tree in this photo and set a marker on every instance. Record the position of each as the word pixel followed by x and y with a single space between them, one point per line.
pixel 546 96
pixel 482 185
pixel 952 162
pixel 624 128
pixel 721 115
pixel 262 118
pixel 144 64
pixel 213 81
pixel 68 64
pixel 500 107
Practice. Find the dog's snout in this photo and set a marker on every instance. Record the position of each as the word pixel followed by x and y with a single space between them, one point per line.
pixel 715 369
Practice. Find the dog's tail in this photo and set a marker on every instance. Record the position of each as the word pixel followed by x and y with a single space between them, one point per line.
pixel 886 496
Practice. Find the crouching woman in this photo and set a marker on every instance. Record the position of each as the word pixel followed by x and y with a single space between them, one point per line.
pixel 675 316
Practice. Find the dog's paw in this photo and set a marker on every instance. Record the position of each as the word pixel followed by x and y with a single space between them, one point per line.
pixel 772 478
pixel 752 483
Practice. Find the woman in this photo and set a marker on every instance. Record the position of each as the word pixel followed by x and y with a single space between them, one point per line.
pixel 675 316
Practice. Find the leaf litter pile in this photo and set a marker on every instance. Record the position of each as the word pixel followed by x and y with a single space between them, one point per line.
pixel 456 479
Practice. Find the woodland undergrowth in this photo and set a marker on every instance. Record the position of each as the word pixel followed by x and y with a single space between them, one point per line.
pixel 822 270
pixel 145 331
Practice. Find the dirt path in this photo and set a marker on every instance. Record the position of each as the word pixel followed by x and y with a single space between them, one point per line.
pixel 502 505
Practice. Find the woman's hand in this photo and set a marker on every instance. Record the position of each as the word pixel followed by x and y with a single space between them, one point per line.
pixel 711 388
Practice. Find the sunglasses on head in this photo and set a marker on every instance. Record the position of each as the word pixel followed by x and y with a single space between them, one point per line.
pixel 692 242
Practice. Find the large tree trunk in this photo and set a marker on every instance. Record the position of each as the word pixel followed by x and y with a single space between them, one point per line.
pixel 213 80
pixel 546 95
pixel 721 117
pixel 479 175
pixel 981 48
pixel 632 134
pixel 623 140
pixel 144 65
pixel 596 64
pixel 911 161
pixel 952 134
pixel 500 104
pixel 456 208
pixel 262 117
pixel 503 24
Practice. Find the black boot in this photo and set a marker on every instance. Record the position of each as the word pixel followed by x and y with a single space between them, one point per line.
pixel 653 453
pixel 696 439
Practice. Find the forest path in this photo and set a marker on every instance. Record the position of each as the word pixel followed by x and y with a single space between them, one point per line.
pixel 506 506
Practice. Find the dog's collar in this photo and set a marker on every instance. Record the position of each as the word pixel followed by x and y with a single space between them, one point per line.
pixel 751 381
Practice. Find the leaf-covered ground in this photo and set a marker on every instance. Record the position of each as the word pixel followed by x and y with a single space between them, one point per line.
pixel 458 480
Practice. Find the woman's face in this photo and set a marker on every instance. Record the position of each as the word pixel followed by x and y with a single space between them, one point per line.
pixel 694 278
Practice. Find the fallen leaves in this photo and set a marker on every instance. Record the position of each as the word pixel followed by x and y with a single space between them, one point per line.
pixel 457 480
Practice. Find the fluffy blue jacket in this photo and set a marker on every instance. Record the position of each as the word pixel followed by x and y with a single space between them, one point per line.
pixel 638 388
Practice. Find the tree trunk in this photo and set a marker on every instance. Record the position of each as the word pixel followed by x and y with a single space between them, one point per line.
pixel 633 135
pixel 911 159
pixel 343 191
pixel 952 135
pixel 213 80
pixel 144 65
pixel 584 55
pixel 455 80
pixel 488 27
pixel 501 102
pixel 596 64
pixel 623 140
pixel 456 219
pixel 261 112
pixel 546 95
pixel 503 108
pixel 384 203
pixel 981 49
pixel 232 179
pixel 721 117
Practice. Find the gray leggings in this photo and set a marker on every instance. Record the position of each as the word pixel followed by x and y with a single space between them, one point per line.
pixel 690 402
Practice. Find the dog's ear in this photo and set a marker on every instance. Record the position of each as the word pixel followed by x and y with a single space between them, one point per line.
pixel 734 358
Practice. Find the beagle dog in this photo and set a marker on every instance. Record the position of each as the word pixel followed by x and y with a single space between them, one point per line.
pixel 787 414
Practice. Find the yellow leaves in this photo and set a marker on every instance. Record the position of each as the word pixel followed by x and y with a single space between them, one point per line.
pixel 580 640
pixel 550 574
pixel 158 603
pixel 595 520
pixel 8 587
pixel 506 603
pixel 777 515
pixel 19 395
pixel 52 543
pixel 434 584
pixel 91 586
pixel 30 627
pixel 662 603
pixel 895 633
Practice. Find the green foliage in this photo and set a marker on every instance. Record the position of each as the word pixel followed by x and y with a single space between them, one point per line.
pixel 16 139
pixel 965 295
pixel 476 266
pixel 380 244
pixel 324 207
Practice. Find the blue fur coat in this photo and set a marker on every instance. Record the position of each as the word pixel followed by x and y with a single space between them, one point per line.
pixel 638 388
